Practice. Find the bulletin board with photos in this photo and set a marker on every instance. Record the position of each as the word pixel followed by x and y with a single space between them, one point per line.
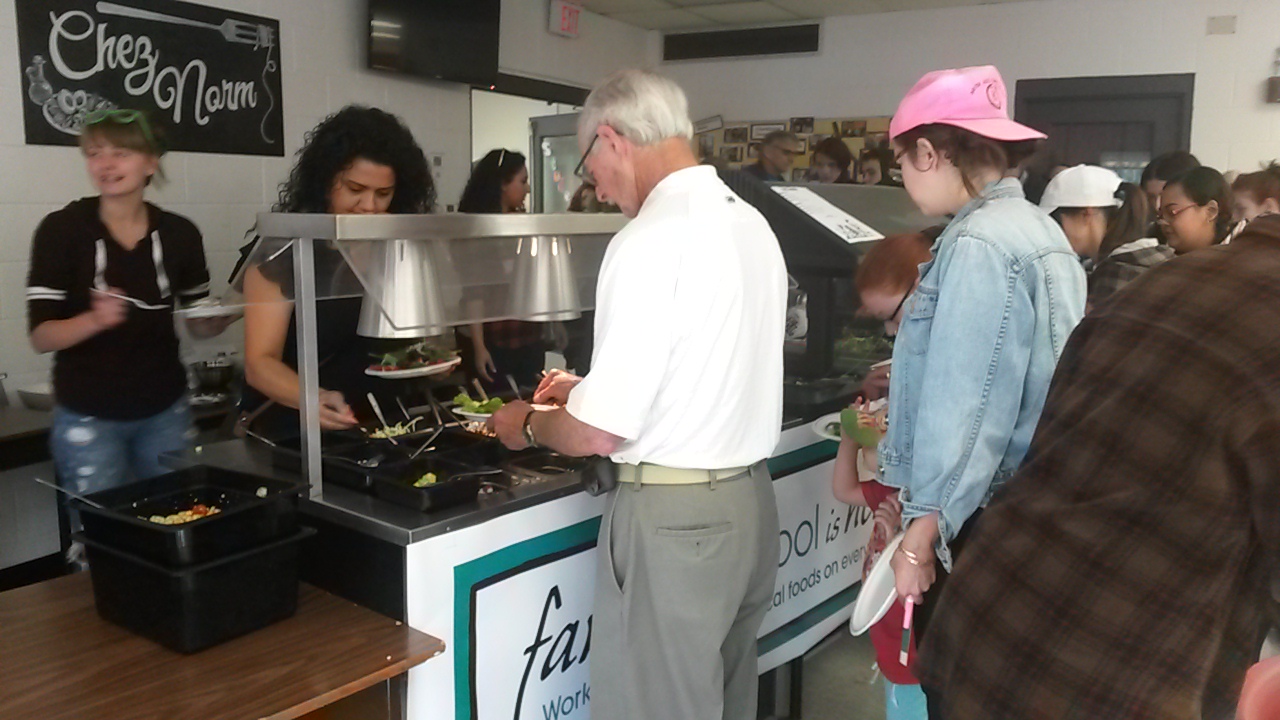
pixel 736 144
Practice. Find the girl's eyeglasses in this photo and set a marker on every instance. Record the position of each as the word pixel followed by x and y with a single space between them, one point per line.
pixel 1167 214
pixel 124 117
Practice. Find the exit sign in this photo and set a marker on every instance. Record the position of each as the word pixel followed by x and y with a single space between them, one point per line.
pixel 564 18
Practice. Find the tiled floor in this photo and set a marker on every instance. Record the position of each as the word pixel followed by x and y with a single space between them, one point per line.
pixel 840 682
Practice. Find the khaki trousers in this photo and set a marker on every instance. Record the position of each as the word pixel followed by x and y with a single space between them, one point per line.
pixel 685 577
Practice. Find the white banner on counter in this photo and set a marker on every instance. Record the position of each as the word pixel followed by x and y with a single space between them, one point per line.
pixel 512 599
pixel 822 542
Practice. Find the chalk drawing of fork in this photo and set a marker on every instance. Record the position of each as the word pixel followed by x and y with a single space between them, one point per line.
pixel 236 31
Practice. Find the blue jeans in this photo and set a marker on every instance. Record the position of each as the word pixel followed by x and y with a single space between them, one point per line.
pixel 94 454
pixel 904 702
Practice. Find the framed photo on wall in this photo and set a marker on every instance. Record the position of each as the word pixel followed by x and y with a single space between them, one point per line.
pixel 731 153
pixel 759 131
pixel 802 125
pixel 802 146
pixel 753 151
pixel 706 145
pixel 736 135
pixel 853 128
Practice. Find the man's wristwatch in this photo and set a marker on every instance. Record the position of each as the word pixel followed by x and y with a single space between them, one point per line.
pixel 527 429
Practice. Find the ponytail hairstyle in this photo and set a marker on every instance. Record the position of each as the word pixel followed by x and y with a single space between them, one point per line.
pixel 968 151
pixel 1262 185
pixel 483 193
pixel 1204 184
pixel 1128 222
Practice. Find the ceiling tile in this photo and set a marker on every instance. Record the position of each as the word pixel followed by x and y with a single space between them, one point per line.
pixel 609 7
pixel 830 8
pixel 745 13
pixel 696 3
pixel 664 19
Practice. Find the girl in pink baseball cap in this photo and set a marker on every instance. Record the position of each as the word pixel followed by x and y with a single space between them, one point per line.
pixel 980 337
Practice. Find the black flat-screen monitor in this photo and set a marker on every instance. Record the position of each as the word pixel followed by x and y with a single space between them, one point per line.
pixel 454 40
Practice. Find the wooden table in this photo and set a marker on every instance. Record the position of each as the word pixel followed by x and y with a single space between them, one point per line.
pixel 58 659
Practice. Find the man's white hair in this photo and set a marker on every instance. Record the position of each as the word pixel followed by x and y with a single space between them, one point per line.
pixel 644 107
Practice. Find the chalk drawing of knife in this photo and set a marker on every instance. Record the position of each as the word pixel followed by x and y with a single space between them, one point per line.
pixel 237 31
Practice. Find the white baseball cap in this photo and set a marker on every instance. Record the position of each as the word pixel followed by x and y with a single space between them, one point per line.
pixel 1080 187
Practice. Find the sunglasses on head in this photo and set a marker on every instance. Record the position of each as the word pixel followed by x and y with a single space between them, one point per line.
pixel 124 117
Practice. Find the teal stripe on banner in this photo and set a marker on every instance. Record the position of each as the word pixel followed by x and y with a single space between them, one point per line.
pixel 803 458
pixel 467 575
pixel 807 621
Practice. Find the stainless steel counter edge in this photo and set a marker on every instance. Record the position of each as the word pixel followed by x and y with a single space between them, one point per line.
pixel 451 226
pixel 367 514
pixel 377 518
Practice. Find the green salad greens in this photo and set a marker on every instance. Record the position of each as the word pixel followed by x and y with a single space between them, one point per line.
pixel 476 407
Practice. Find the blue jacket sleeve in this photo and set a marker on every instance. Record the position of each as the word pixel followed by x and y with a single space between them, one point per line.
pixel 978 354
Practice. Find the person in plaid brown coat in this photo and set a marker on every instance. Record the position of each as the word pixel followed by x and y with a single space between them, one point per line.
pixel 1124 571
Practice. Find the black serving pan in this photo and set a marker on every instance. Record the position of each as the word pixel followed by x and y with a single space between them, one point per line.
pixel 469 448
pixel 456 483
pixel 542 464
pixel 192 608
pixel 244 520
pixel 350 463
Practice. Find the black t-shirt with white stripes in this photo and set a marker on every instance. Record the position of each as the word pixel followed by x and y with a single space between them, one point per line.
pixel 133 370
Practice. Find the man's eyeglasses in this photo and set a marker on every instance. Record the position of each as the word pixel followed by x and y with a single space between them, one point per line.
pixel 581 172
pixel 1168 213
pixel 124 117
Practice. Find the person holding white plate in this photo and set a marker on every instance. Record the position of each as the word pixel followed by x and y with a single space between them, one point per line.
pixel 106 274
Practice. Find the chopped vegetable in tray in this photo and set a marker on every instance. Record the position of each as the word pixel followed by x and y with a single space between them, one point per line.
pixel 425 480
pixel 467 405
pixel 196 512
pixel 418 355
pixel 390 431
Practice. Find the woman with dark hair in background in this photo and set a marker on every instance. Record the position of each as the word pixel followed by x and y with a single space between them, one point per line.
pixel 358 161
pixel 491 351
pixel 831 162
pixel 1105 220
pixel 876 166
pixel 1195 210
pixel 1161 170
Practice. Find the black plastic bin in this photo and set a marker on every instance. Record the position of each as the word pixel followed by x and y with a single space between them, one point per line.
pixel 471 449
pixel 190 609
pixel 455 484
pixel 244 521
pixel 340 460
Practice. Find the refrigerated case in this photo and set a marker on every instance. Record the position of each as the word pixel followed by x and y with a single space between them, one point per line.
pixel 553 153
pixel 824 230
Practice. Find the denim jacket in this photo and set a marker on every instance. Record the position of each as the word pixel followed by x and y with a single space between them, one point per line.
pixel 976 349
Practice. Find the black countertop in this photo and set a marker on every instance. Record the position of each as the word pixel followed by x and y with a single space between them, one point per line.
pixel 380 519
pixel 383 520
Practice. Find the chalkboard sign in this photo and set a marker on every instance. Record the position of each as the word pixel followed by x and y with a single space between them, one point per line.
pixel 210 76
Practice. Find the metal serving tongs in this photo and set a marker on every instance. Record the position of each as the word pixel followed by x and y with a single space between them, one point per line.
pixel 435 410
pixel 382 419
pixel 71 493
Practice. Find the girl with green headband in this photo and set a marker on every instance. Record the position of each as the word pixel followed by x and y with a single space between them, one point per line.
pixel 106 275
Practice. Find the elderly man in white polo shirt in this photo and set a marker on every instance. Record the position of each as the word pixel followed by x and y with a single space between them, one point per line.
pixel 685 396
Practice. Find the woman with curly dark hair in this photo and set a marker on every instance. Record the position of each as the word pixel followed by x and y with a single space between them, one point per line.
pixel 360 160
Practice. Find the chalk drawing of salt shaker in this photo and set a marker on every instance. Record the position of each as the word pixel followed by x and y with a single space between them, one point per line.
pixel 40 90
